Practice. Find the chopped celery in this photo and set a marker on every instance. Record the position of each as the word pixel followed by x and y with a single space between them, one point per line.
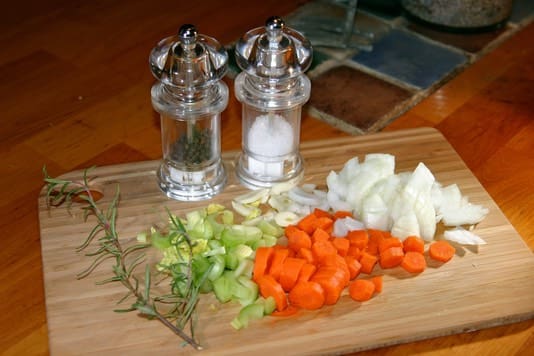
pixel 224 286
pixel 217 266
pixel 244 268
pixel 269 304
pixel 227 217
pixel 160 241
pixel 246 314
pixel 245 290
pixel 240 234
pixel 270 229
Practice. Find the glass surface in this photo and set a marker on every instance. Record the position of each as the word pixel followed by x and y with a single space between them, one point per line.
pixel 192 168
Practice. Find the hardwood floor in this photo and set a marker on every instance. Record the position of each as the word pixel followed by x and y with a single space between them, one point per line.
pixel 75 91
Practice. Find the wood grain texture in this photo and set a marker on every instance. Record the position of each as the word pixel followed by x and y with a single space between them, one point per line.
pixel 74 91
pixel 481 287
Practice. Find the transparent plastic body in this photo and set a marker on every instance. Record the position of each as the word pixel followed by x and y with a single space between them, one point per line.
pixel 192 168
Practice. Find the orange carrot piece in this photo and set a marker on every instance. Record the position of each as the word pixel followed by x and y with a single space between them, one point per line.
pixel 354 266
pixel 441 251
pixel 342 245
pixel 307 295
pixel 262 261
pixel 306 254
pixel 297 239
pixel 414 243
pixel 368 262
pixel 290 272
pixel 288 311
pixel 358 238
pixel 320 235
pixel 386 243
pixel 332 284
pixel 340 214
pixel 279 256
pixel 392 257
pixel 375 236
pixel 414 262
pixel 354 251
pixel 320 213
pixel 324 223
pixel 378 282
pixel 306 272
pixel 323 250
pixel 308 223
pixel 361 290
pixel 269 287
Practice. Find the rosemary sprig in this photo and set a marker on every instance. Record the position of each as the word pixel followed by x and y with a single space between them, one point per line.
pixel 182 301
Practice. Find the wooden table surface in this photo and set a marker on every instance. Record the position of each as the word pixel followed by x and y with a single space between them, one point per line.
pixel 75 91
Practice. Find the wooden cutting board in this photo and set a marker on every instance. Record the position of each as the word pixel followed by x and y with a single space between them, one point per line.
pixel 479 288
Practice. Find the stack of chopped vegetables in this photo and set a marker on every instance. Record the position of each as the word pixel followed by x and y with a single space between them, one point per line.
pixel 297 247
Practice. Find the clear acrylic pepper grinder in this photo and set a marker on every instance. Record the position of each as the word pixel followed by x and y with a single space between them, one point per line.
pixel 190 97
pixel 272 89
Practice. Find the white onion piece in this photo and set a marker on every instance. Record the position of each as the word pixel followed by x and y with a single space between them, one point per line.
pixel 343 226
pixel 308 187
pixel 469 214
pixel 463 237
pixel 375 213
pixel 259 195
pixel 406 225
pixel 280 188
pixel 300 196
pixel 286 218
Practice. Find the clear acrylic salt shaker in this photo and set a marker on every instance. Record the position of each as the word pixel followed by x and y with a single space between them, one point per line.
pixel 190 96
pixel 272 89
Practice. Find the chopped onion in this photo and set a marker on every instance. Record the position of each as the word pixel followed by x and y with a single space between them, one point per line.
pixel 286 218
pixel 463 236
pixel 300 196
pixel 343 226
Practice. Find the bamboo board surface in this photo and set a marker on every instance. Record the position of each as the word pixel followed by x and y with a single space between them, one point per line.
pixel 479 288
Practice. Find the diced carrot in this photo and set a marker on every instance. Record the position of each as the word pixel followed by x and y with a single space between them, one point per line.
pixel 414 243
pixel 290 272
pixel 307 295
pixel 375 236
pixel 269 287
pixel 262 261
pixel 308 223
pixel 323 250
pixel 354 251
pixel 392 257
pixel 306 272
pixel 354 266
pixel 320 235
pixel 441 251
pixel 344 269
pixel 342 245
pixel 279 256
pixel 320 213
pixel 332 283
pixel 297 239
pixel 340 214
pixel 324 223
pixel 358 238
pixel 414 262
pixel 386 243
pixel 306 254
pixel 378 282
pixel 288 311
pixel 361 290
pixel 368 262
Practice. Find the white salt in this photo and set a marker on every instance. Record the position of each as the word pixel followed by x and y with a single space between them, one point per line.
pixel 269 136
